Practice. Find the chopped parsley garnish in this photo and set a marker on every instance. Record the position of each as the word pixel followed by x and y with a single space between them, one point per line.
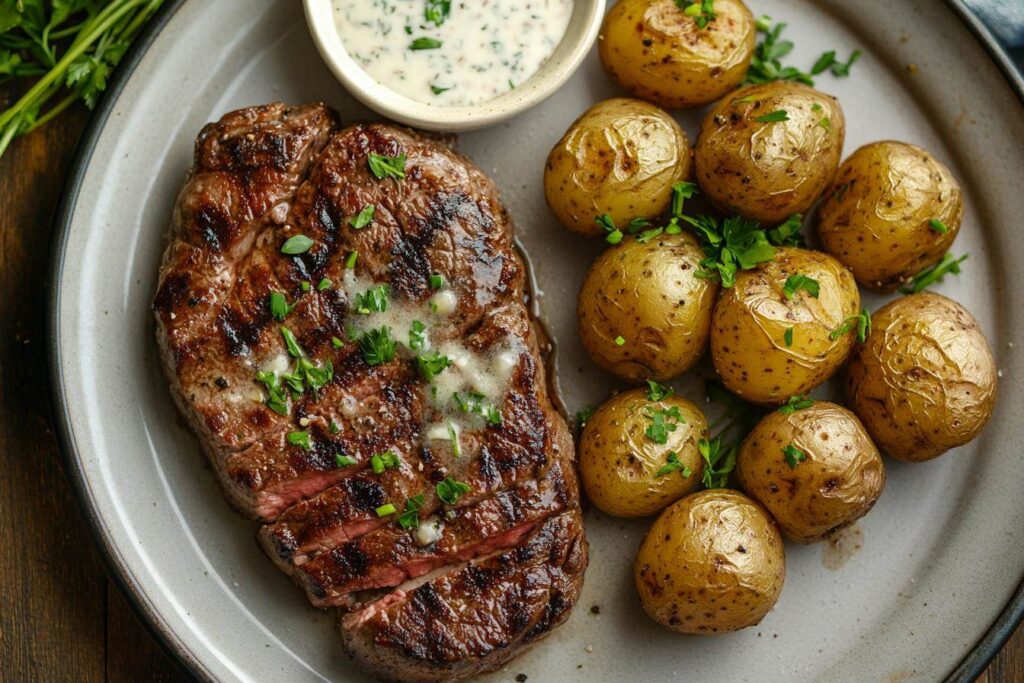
pixel 766 65
pixel 386 509
pixel 674 464
pixel 277 396
pixel 350 260
pixel 432 364
pixel 788 337
pixel 364 217
pixel 437 11
pixel 583 416
pixel 453 437
pixel 681 191
pixel 344 461
pixel 735 244
pixel 386 167
pixel 305 286
pixel 279 307
pixel 299 439
pixel 788 233
pixel 620 340
pixel 410 518
pixel 795 403
pixel 473 402
pixel 324 284
pixel 436 281
pixel 701 11
pixel 388 460
pixel 373 300
pixel 425 43
pixel 828 61
pixel 451 490
pixel 337 343
pixel 296 244
pixel 648 235
pixel 774 117
pixel 437 90
pixel 614 235
pixel 934 274
pixel 794 283
pixel 658 392
pixel 719 461
pixel 291 343
pixel 305 374
pixel 417 335
pixel 938 226
pixel 377 346
pixel 663 421
pixel 860 322
pixel 794 456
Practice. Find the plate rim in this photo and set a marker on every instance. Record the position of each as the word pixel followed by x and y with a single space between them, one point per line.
pixel 973 663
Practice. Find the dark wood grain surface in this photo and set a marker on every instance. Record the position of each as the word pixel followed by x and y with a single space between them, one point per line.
pixel 62 618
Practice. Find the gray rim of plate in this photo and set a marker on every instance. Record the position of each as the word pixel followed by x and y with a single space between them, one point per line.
pixel 969 668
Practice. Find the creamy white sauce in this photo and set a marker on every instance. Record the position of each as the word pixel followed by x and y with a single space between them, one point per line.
pixel 429 531
pixel 487 47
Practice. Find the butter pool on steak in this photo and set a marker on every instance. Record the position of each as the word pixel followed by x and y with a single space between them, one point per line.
pixel 508 550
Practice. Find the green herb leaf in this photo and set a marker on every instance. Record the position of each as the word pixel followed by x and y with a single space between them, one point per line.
pixel 794 456
pixel 648 235
pixel 788 233
pixel 323 285
pixel 938 226
pixel 337 343
pixel 410 518
pixel 453 438
pixel 658 392
pixel 860 322
pixel 934 274
pixel 373 300
pixel 766 65
pixel 386 167
pixel 344 461
pixel 299 439
pixel 788 337
pixel 774 117
pixel 737 244
pixel 663 421
pixel 826 123
pixel 681 191
pixel 277 395
pixel 437 11
pixel 350 261
pixel 614 235
pixel 417 335
pixel 364 217
pixel 824 62
pixel 450 490
pixel 388 460
pixel 432 364
pixel 437 90
pixel 841 69
pixel 377 346
pixel 583 416
pixel 296 244
pixel 794 283
pixel 719 462
pixel 305 286
pixel 701 11
pixel 620 340
pixel 473 402
pixel 436 281
pixel 386 509
pixel 795 403
pixel 425 43
pixel 292 344
pixel 279 307
pixel 674 464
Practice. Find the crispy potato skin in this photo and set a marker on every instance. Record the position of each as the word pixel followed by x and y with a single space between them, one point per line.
pixel 835 486
pixel 750 320
pixel 925 380
pixel 618 461
pixel 712 563
pixel 649 295
pixel 659 54
pixel 875 217
pixel 621 157
pixel 768 171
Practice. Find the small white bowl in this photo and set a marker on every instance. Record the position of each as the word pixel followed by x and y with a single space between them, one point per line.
pixel 579 37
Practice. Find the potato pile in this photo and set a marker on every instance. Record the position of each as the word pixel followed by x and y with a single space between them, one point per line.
pixel 780 318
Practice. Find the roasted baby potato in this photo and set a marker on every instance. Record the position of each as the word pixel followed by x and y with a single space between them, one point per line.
pixel 620 158
pixel 659 53
pixel 769 340
pixel 925 380
pixel 769 151
pixel 893 210
pixel 643 313
pixel 814 468
pixel 713 562
pixel 638 455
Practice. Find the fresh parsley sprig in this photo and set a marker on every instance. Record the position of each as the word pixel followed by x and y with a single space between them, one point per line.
pixel 934 274
pixel 719 452
pixel 701 11
pixel 673 464
pixel 766 65
pixel 795 403
pixel 730 246
pixel 860 322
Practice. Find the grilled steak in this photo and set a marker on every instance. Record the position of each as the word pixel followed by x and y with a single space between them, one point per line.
pixel 340 314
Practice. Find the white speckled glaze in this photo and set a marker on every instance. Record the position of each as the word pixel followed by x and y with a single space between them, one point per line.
pixel 938 558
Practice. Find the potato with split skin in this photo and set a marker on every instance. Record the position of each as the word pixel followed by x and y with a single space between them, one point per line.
pixel 643 312
pixel 638 455
pixel 621 158
pixel 813 466
pixel 925 380
pixel 770 341
pixel 712 563
pixel 892 211
pixel 658 52
pixel 769 151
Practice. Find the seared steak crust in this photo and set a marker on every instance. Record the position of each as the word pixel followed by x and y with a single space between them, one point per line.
pixel 308 464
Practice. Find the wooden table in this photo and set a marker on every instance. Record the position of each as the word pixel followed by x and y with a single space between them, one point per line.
pixel 62 618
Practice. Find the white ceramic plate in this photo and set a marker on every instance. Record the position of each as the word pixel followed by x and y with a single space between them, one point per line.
pixel 931 567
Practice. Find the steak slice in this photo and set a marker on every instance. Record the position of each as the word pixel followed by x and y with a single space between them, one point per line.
pixel 477 617
pixel 386 360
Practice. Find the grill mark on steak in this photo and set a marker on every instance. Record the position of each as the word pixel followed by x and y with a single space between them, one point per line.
pixel 264 174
